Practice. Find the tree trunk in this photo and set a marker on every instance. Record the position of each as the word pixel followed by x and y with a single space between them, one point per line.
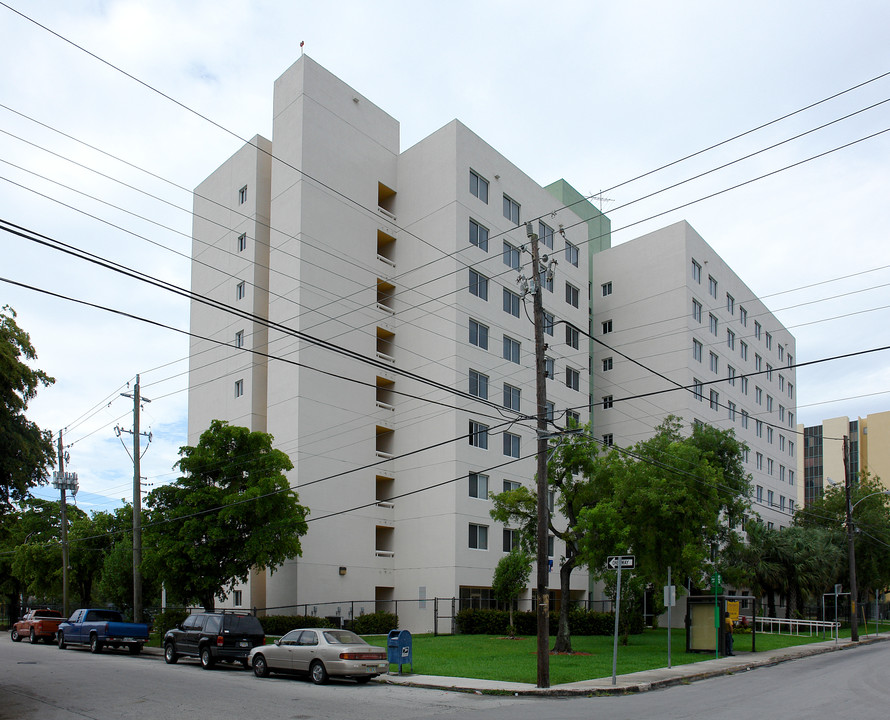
pixel 563 635
pixel 770 604
pixel 208 603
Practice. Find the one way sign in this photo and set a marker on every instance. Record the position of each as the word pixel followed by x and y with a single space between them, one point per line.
pixel 625 562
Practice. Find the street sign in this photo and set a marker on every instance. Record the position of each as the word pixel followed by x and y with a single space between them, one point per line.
pixel 625 562
pixel 670 595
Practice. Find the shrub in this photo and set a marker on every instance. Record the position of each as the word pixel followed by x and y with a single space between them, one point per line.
pixel 376 623
pixel 168 619
pixel 581 622
pixel 281 624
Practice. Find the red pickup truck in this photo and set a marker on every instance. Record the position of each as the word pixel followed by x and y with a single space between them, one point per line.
pixel 40 624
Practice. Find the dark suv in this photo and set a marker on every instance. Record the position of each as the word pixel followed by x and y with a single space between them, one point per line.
pixel 214 636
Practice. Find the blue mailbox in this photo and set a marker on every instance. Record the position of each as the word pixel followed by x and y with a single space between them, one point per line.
pixel 399 649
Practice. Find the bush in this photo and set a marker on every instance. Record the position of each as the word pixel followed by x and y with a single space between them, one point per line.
pixel 281 624
pixel 581 622
pixel 168 619
pixel 377 623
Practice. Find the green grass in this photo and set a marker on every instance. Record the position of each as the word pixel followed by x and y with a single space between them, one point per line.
pixel 496 658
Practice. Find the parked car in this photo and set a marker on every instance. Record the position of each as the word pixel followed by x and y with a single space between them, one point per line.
pixel 100 627
pixel 214 636
pixel 40 624
pixel 321 653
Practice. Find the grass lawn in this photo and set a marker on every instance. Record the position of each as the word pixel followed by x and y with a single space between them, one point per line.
pixel 496 658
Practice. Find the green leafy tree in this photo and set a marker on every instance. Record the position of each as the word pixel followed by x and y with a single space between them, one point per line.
pixel 757 563
pixel 232 510
pixel 511 578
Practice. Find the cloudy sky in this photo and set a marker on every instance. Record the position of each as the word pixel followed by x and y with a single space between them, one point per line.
pixel 597 93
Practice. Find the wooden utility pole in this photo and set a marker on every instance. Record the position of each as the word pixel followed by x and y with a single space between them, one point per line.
pixel 851 544
pixel 64 502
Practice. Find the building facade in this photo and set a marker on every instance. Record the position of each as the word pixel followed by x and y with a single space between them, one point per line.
pixel 678 332
pixel 373 324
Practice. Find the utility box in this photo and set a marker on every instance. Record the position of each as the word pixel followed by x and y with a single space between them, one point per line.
pixel 704 623
pixel 399 649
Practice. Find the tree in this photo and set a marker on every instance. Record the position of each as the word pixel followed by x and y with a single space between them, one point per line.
pixel 510 579
pixel 232 510
pixel 26 451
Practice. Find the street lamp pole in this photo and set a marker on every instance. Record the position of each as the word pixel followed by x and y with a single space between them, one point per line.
pixel 851 549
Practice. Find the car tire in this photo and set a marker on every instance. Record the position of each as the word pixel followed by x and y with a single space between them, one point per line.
pixel 318 673
pixel 260 666
pixel 32 636
pixel 207 660
pixel 362 679
pixel 14 634
pixel 135 649
pixel 60 640
pixel 95 644
pixel 170 654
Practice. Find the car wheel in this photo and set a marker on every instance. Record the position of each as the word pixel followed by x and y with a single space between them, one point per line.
pixel 170 656
pixel 60 641
pixel 260 668
pixel 135 649
pixel 95 645
pixel 32 636
pixel 14 634
pixel 362 679
pixel 206 658
pixel 318 673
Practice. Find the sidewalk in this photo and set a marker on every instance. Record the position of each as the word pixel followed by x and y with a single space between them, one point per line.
pixel 634 682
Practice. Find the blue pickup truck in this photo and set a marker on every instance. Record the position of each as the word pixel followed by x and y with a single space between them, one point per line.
pixel 99 628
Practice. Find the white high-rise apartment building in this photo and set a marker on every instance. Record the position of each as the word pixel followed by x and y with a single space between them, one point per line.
pixel 389 279
pixel 669 312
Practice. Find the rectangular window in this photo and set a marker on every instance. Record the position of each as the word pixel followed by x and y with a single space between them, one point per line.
pixel 240 290
pixel 730 339
pixel 758 395
pixel 242 195
pixel 696 349
pixel 769 341
pixel 511 539
pixel 572 336
pixel 781 442
pixel 744 383
pixel 696 310
pixel 239 388
pixel 743 316
pixel 745 419
pixel 607 364
pixel 511 349
pixel 239 339
pixel 759 493
pixel 781 350
pixel 790 360
pixel 572 295
pixel 478 285
pixel 769 371
pixel 769 434
pixel 573 379
pixel 712 287
pixel 698 389
pixel 730 304
pixel 550 410
pixel 478 537
pixel 712 323
pixel 511 210
pixel 607 402
pixel 696 272
pixel 769 466
pixel 731 406
pixel 479 486
pixel 510 486
pixel 607 327
pixel 478 235
pixel 573 419
pixel 743 349
pixel 549 367
pixel 478 384
pixel 791 448
pixel 715 400
pixel 781 413
pixel 758 428
pixel 546 280
pixel 545 235
pixel 236 598
pixel 242 242
pixel 511 256
pixel 607 289
pixel 511 303
pixel 791 391
pixel 791 506
pixel 769 403
pixel 479 187
pixel 478 334
pixel 478 435
pixel 758 458
pixel 758 362
pixel 730 374
pixel 781 383
pixel 791 477
pixel 790 419
pixel 571 254
pixel 608 440
pixel 757 330
pixel 548 323
pixel 715 363
pixel 511 397
pixel 782 473
pixel 511 445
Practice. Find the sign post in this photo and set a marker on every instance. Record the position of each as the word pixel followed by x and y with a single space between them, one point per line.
pixel 670 599
pixel 718 624
pixel 617 562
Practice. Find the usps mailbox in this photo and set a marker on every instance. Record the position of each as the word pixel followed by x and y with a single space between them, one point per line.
pixel 399 649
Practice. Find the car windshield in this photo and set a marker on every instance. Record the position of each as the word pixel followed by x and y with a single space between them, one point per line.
pixel 343 637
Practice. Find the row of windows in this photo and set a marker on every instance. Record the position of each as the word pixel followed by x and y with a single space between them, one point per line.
pixel 770 499
pixel 714 365
pixel 478 539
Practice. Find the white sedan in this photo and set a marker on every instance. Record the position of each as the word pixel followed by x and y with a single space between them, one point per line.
pixel 319 653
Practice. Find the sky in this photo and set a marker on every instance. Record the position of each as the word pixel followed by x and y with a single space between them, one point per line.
pixel 598 93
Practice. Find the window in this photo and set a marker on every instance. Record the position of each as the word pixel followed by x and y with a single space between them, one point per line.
pixel 511 303
pixel 696 350
pixel 769 371
pixel 511 210
pixel 510 486
pixel 478 235
pixel 769 403
pixel 781 350
pixel 511 256
pixel 745 419
pixel 511 445
pixel 782 473
pixel 546 280
pixel 607 289
pixel 572 254
pixel 478 384
pixel 730 339
pixel 571 336
pixel 715 400
pixel 479 187
pixel 607 364
pixel 743 316
pixel 759 493
pixel 608 440
pixel 790 419
pixel 479 486
pixel 478 435
pixel 730 304
pixel 696 272
pixel 791 477
pixel 698 389
pixel 743 349
pixel 791 391
pixel 769 341
pixel 550 411
pixel 769 434
pixel 242 242
pixel 550 545
pixel 790 360
pixel 715 363
pixel 758 428
pixel 239 339
pixel 744 383
pixel 781 413
pixel 791 448
pixel 548 323
pixel 545 234
pixel 731 406
pixel 239 388
pixel 758 461
pixel 782 503
pixel 791 506
pixel 758 395
pixel 573 419
pixel 511 397
pixel 607 402
pixel 511 349
pixel 769 467
pixel 549 367
pixel 478 285
pixel 696 310
pixel 758 362
pixel 478 334
pixel 572 295
pixel 730 374
pixel 511 539
pixel 242 195
pixel 757 330
pixel 240 290
pixel 607 327
pixel 712 287
pixel 573 378
pixel 781 383
pixel 236 598
pixel 478 537
pixel 712 323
